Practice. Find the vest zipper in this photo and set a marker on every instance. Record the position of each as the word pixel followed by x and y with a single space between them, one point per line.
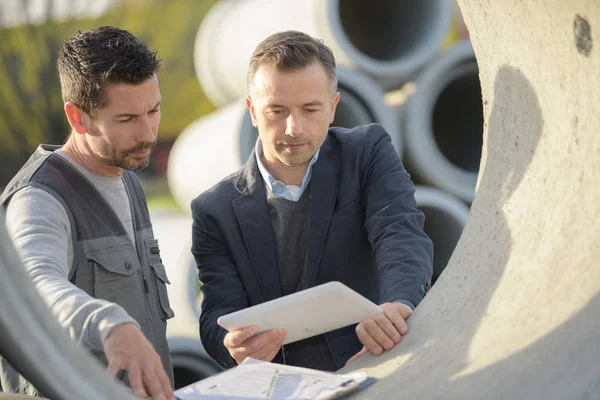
pixel 146 284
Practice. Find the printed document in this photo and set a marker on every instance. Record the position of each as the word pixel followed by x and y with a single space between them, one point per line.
pixel 254 379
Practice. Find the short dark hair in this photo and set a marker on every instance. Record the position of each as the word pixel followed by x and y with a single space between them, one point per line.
pixel 292 51
pixel 89 61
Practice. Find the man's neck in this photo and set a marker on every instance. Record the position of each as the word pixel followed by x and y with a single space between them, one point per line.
pixel 82 154
pixel 284 173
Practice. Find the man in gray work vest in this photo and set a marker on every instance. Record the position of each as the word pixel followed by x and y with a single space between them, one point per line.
pixel 78 217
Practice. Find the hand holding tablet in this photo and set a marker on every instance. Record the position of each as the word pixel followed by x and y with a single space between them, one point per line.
pixel 307 313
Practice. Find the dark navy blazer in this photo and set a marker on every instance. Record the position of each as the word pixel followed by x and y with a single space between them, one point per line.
pixel 364 231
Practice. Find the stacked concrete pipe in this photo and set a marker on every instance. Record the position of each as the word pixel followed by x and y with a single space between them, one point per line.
pixel 442 123
pixel 516 313
pixel 191 363
pixel 445 218
pixel 389 39
pixel 217 145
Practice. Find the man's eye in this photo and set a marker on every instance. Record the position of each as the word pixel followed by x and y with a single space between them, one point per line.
pixel 125 120
pixel 311 110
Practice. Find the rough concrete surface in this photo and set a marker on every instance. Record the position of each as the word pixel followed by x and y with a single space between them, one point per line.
pixel 516 314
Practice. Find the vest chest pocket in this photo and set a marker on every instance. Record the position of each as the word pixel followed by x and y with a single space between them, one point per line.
pixel 159 277
pixel 116 278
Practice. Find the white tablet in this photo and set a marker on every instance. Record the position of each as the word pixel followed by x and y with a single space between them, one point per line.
pixel 307 313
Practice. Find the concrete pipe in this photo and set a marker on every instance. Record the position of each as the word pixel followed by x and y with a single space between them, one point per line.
pixel 208 150
pixel 34 343
pixel 389 40
pixel 445 219
pixel 190 361
pixel 516 313
pixel 217 145
pixel 442 123
pixel 173 231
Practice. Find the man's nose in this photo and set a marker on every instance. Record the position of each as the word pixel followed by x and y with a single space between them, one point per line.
pixel 293 125
pixel 146 131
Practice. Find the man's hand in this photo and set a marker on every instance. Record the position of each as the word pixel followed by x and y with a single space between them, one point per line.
pixel 382 332
pixel 243 343
pixel 126 348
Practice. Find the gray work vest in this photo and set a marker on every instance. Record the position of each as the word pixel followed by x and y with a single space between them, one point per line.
pixel 106 265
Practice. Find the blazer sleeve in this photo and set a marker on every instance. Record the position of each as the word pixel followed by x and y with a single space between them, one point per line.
pixel 222 288
pixel 403 252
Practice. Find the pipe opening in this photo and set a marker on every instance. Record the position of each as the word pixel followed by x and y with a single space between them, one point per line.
pixel 444 230
pixel 189 368
pixel 388 30
pixel 458 119
pixel 184 377
pixel 351 111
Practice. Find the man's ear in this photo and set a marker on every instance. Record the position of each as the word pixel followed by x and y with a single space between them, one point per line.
pixel 76 118
pixel 334 103
pixel 250 107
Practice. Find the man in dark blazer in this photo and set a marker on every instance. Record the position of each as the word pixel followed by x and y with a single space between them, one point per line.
pixel 313 204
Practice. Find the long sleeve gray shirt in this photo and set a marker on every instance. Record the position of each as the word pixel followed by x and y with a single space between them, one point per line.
pixel 41 233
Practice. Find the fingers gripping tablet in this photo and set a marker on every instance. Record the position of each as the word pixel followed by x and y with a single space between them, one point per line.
pixel 307 313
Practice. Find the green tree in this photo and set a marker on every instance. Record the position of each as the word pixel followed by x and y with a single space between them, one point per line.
pixel 31 107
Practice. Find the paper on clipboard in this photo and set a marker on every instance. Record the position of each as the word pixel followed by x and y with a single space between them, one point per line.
pixel 255 379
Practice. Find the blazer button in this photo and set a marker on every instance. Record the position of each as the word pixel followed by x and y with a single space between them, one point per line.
pixel 127 265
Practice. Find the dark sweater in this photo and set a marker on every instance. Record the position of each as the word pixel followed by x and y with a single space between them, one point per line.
pixel 289 221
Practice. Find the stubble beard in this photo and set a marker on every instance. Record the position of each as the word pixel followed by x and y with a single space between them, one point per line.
pixel 123 158
pixel 294 160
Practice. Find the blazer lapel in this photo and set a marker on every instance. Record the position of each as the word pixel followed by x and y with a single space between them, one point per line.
pixel 323 195
pixel 253 218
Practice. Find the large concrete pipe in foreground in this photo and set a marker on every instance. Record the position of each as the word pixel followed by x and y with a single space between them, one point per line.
pixel 445 219
pixel 387 39
pixel 34 343
pixel 516 313
pixel 442 123
pixel 217 145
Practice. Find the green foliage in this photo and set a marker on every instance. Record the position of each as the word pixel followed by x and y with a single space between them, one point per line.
pixel 31 107
pixel 171 27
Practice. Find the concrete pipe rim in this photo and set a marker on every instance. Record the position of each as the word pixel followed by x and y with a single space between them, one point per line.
pixel 430 196
pixel 444 211
pixel 177 172
pixel 208 77
pixel 51 360
pixel 432 164
pixel 402 67
pixel 352 111
pixel 371 95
